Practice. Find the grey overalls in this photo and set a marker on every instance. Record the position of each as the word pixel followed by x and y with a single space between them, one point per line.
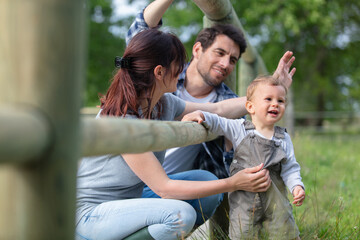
pixel 250 212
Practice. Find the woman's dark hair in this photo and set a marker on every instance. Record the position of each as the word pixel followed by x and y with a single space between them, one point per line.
pixel 134 83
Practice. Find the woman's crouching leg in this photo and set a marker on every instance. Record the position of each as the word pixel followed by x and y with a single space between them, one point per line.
pixel 176 220
pixel 165 219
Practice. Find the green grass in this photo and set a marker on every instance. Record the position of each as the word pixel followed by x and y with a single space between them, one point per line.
pixel 330 168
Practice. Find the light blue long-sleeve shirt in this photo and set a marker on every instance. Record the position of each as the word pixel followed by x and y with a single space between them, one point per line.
pixel 234 130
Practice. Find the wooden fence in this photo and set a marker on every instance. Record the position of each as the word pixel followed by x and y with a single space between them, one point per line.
pixel 42 136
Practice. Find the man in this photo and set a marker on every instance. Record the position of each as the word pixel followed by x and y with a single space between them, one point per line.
pixel 214 56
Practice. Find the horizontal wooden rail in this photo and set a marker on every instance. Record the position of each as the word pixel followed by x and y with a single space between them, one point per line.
pixel 25 135
pixel 115 136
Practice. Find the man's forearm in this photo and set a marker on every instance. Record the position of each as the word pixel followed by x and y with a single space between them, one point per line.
pixel 232 108
pixel 149 18
pixel 155 11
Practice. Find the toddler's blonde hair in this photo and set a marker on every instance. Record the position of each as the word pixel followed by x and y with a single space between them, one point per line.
pixel 269 80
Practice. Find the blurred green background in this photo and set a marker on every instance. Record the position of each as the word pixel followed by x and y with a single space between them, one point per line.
pixel 324 36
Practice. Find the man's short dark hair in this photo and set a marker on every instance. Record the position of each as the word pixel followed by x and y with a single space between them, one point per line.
pixel 207 36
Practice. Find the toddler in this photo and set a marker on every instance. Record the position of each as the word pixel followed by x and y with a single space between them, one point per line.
pixel 256 142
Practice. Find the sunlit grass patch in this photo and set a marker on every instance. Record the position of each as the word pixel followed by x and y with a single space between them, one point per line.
pixel 330 166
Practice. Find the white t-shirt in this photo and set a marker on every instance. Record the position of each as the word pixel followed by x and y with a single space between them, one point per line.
pixel 182 159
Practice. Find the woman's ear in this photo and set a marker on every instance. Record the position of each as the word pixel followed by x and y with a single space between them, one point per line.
pixel 250 107
pixel 159 72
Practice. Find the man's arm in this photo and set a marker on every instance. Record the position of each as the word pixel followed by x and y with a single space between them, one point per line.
pixel 155 11
pixel 230 108
pixel 150 17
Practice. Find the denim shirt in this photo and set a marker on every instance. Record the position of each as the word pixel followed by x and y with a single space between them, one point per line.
pixel 211 161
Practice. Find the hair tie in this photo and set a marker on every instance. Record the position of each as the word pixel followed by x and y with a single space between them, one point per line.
pixel 122 62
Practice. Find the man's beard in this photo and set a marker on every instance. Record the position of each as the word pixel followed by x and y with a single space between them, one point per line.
pixel 211 81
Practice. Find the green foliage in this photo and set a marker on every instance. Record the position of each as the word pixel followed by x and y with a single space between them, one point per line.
pixel 185 18
pixel 102 48
pixel 330 169
pixel 322 34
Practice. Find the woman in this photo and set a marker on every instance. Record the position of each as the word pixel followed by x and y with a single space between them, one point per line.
pixel 109 188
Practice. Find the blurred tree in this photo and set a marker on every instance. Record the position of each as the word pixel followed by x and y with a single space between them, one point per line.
pixel 324 36
pixel 103 46
pixel 185 20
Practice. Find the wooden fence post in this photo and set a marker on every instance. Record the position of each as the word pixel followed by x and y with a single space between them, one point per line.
pixel 41 70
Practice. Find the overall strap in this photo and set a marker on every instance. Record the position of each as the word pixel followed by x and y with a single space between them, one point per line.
pixel 279 132
pixel 249 125
pixel 249 128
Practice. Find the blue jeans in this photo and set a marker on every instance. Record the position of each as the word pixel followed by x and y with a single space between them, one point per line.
pixel 204 207
pixel 165 218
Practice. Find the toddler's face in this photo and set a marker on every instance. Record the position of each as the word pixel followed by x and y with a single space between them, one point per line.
pixel 269 103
